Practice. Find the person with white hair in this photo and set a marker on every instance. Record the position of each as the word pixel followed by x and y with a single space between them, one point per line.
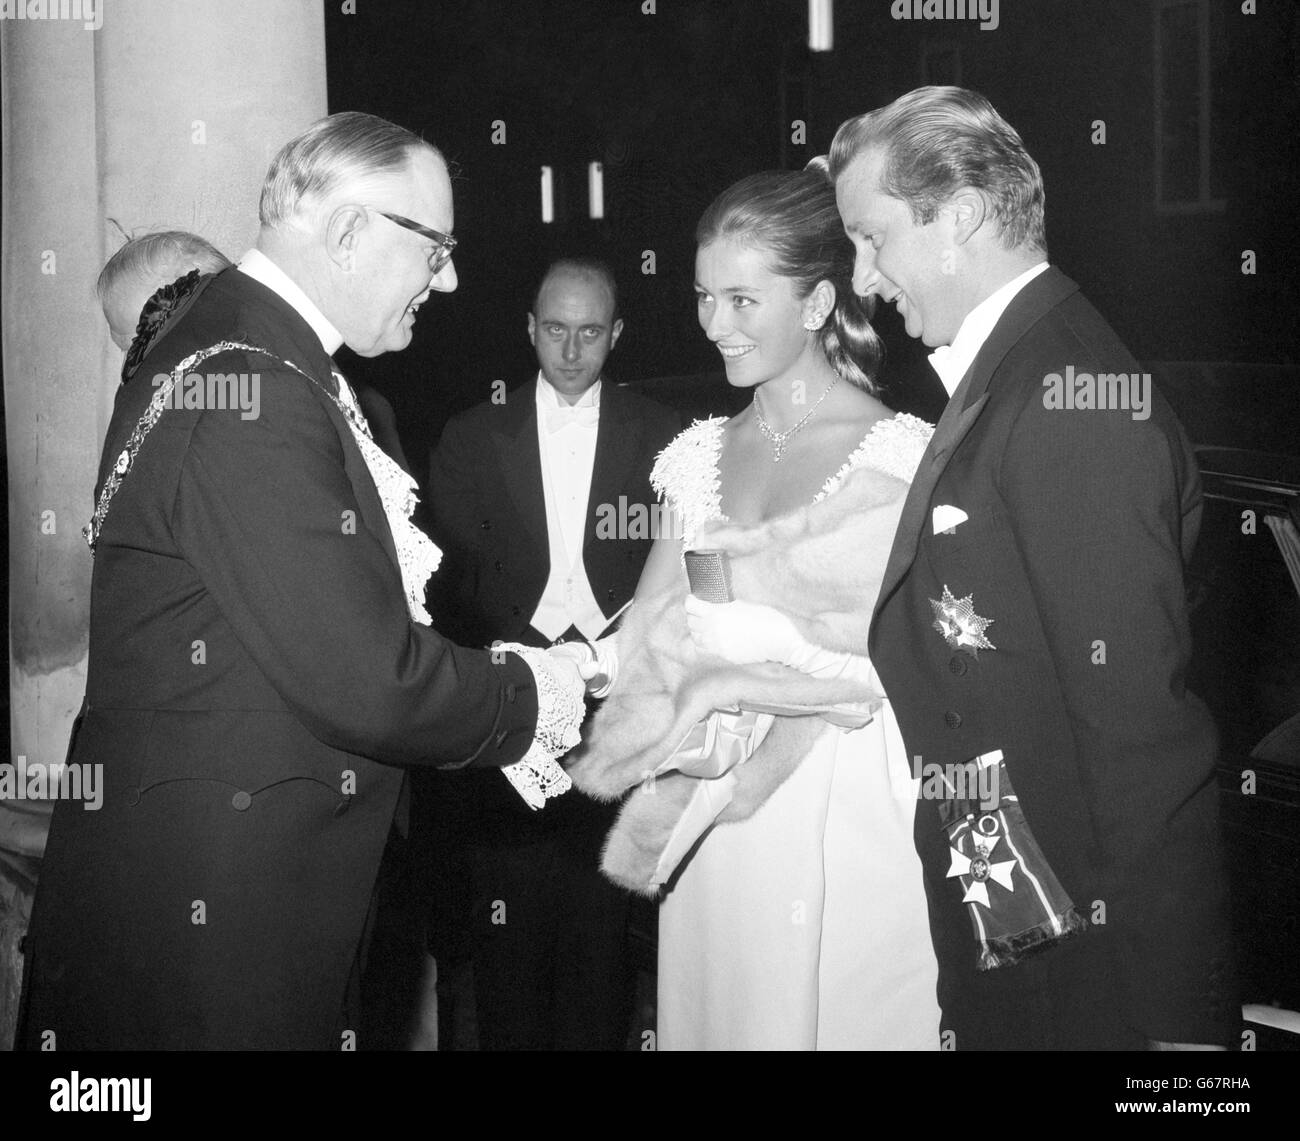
pixel 143 265
pixel 261 662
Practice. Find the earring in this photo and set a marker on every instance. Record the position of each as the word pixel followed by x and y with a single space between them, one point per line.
pixel 814 322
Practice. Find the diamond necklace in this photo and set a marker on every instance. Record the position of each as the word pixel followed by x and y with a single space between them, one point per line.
pixel 780 439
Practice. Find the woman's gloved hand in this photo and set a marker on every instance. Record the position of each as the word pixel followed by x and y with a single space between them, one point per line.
pixel 743 632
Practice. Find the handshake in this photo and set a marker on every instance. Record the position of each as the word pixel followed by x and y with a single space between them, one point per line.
pixel 736 632
pixel 587 666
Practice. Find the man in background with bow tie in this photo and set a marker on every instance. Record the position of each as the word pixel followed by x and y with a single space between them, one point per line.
pixel 540 499
pixel 1033 619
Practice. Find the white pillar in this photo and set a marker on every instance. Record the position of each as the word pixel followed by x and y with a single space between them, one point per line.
pixel 165 117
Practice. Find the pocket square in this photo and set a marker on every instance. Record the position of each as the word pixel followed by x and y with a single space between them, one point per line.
pixel 946 518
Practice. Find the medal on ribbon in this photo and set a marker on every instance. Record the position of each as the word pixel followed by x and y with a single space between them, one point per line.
pixel 979 868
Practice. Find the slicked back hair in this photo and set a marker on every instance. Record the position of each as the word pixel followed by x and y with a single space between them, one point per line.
pixel 791 217
pixel 937 139
pixel 333 152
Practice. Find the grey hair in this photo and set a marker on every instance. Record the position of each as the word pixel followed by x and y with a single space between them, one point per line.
pixel 937 139
pixel 336 151
pixel 159 259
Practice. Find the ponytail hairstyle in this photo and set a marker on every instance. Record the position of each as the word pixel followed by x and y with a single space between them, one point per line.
pixel 792 215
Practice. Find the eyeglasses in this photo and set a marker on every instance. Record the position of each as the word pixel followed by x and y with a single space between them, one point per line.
pixel 443 243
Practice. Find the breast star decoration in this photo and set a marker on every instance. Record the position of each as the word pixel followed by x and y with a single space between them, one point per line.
pixel 981 867
pixel 961 627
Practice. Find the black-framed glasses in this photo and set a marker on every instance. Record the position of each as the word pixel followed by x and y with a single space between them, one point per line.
pixel 443 243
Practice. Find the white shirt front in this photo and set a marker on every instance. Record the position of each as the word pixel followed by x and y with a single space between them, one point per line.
pixel 566 440
pixel 952 361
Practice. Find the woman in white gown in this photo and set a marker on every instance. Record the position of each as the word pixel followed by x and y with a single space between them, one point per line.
pixel 802 925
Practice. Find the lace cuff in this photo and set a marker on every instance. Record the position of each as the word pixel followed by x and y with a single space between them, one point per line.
pixel 538 776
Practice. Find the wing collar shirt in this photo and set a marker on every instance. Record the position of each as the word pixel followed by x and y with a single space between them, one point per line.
pixel 262 269
pixel 951 362
pixel 566 439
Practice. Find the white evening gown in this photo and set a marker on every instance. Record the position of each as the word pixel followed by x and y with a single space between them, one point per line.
pixel 803 927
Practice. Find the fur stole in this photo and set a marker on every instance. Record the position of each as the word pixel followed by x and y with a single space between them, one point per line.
pixel 822 566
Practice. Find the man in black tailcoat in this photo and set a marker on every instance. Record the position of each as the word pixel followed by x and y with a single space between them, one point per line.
pixel 541 497
pixel 1031 630
pixel 259 662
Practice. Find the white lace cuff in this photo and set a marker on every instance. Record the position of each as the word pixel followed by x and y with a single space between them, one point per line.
pixel 538 776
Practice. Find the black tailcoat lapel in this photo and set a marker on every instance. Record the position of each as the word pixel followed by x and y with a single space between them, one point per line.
pixel 1027 308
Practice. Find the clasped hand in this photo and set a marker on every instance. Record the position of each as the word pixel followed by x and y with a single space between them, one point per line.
pixel 579 663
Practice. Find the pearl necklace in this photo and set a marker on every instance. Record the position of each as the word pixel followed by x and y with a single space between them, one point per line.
pixel 780 439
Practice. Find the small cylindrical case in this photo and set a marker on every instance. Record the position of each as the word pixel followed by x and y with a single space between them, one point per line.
pixel 709 575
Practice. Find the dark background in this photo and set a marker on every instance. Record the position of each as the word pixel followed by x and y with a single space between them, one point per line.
pixel 681 103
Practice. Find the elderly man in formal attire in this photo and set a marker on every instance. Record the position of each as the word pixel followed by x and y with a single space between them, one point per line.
pixel 1032 625
pixel 261 662
pixel 537 499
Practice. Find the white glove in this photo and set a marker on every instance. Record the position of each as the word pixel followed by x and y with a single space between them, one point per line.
pixel 597 662
pixel 743 632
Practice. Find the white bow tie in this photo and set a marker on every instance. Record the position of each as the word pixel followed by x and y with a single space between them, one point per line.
pixel 949 370
pixel 566 415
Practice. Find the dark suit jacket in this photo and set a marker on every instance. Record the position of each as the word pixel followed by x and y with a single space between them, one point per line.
pixel 1079 525
pixel 489 509
pixel 253 675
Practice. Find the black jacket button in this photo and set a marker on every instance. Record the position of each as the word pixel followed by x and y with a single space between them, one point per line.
pixel 958 664
pixel 132 797
pixel 240 801
pixel 952 720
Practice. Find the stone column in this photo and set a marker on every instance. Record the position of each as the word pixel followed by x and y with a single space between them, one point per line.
pixel 164 116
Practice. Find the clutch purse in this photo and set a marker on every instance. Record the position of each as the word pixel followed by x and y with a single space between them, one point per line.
pixel 709 575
